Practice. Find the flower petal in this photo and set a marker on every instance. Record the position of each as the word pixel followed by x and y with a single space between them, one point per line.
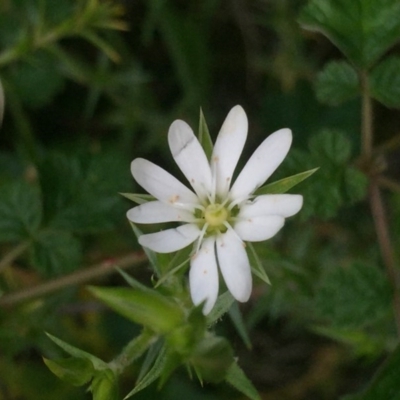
pixel 161 184
pixel 234 265
pixel 260 228
pixel 228 148
pixel 203 276
pixel 154 212
pixel 190 157
pixel 284 205
pixel 171 239
pixel 261 165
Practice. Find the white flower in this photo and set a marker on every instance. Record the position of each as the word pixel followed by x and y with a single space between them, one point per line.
pixel 217 216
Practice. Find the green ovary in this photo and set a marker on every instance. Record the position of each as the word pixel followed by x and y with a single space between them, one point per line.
pixel 215 216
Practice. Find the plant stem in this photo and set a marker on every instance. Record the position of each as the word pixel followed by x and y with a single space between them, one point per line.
pixel 76 278
pixel 375 198
pixel 12 255
pixel 133 350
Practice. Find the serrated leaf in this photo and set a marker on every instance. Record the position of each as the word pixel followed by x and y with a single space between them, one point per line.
pixel 77 353
pixel 222 305
pixel 204 136
pixel 362 30
pixel 144 307
pixel 385 82
pixel 283 185
pixel 55 252
pixel 138 197
pixel 331 145
pixel 152 375
pixel 336 83
pixel 386 383
pixel 239 381
pixel 75 371
pixel 20 211
pixel 353 297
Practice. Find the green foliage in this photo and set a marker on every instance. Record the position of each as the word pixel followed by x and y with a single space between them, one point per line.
pixel 336 183
pixel 145 307
pixel 20 211
pixel 204 136
pixel 385 82
pixel 386 384
pixel 238 379
pixel 355 297
pixel 362 30
pixel 75 371
pixel 337 83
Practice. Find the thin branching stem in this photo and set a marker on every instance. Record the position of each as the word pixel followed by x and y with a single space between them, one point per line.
pixel 76 278
pixel 376 202
pixel 13 254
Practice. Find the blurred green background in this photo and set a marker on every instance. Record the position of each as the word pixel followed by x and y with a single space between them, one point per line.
pixel 90 85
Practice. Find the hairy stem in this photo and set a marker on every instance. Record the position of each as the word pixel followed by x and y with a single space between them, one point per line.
pixel 375 198
pixel 76 278
pixel 12 255
pixel 133 350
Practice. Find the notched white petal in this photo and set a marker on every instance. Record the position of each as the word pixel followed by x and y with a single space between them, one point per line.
pixel 257 229
pixel 154 212
pixel 234 265
pixel 203 276
pixel 190 157
pixel 262 164
pixel 161 184
pixel 171 239
pixel 228 148
pixel 284 205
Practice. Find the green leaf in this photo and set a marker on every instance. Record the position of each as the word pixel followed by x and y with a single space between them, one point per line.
pixel 336 83
pixel 331 145
pixel 138 197
pixel 104 386
pixel 204 136
pixel 386 383
pixel 256 265
pixel 239 380
pixel 20 211
pixel 385 82
pixel 355 184
pixel 353 297
pixel 38 80
pixel 55 252
pixel 212 358
pixel 222 305
pixel 2 102
pixel 145 307
pixel 241 329
pixel 283 185
pixel 151 255
pixel 75 371
pixel 362 30
pixel 152 375
pixel 77 353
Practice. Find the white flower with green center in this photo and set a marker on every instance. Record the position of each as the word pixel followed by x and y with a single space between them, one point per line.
pixel 217 216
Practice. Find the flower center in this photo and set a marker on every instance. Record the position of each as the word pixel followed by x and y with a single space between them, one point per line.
pixel 215 215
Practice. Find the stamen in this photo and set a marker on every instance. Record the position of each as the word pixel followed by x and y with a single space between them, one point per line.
pixel 236 202
pixel 201 236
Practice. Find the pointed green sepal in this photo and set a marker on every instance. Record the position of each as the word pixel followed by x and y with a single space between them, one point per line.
pixel 138 197
pixel 204 136
pixel 75 371
pixel 283 185
pixel 237 378
pixel 145 307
